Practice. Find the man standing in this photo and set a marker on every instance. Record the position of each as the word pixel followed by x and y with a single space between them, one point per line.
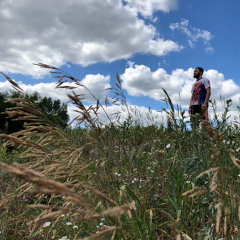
pixel 201 91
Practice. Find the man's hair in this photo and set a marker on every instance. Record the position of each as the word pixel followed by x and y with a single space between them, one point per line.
pixel 200 69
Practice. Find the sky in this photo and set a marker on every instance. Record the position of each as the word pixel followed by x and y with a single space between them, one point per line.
pixel 151 44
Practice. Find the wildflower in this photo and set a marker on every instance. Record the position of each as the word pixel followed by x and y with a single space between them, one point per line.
pixel 237 150
pixel 68 223
pixel 119 175
pixel 62 215
pixel 168 146
pixel 64 238
pixel 238 175
pixel 188 181
pixel 101 224
pixel 46 224
pixel 116 173
pixel 75 227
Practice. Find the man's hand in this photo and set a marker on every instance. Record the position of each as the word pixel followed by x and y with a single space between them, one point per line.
pixel 189 110
pixel 204 105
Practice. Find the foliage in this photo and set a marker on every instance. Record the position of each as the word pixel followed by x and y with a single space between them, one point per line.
pixel 54 110
pixel 123 180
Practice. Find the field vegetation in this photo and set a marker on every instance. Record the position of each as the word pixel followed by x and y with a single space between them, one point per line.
pixel 123 180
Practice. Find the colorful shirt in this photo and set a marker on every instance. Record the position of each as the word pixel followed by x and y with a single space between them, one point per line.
pixel 199 91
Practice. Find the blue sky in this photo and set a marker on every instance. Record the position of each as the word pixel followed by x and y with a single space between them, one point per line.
pixel 151 44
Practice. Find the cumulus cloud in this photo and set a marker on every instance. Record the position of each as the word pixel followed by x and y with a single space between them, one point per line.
pixel 139 80
pixel 146 8
pixel 140 115
pixel 194 34
pixel 82 32
pixel 97 84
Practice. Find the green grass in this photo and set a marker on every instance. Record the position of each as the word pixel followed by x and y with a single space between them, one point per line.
pixel 140 182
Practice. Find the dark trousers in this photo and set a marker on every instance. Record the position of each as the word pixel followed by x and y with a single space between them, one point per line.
pixel 202 112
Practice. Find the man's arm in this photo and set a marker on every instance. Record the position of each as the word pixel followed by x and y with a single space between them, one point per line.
pixel 208 94
pixel 190 104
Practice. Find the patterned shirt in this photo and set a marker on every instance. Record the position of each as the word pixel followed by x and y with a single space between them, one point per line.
pixel 199 91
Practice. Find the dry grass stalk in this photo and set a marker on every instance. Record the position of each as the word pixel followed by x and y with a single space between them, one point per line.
pixel 213 183
pixel 113 212
pixel 190 191
pixel 239 212
pixel 210 131
pixel 14 84
pixel 171 113
pixel 225 226
pixel 218 217
pixel 39 179
pixel 233 159
pixel 100 194
pixel 208 171
pixel 183 236
pixel 102 233
pixel 201 192
pixel 53 187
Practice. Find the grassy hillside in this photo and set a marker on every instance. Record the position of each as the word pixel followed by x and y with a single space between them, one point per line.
pixel 120 181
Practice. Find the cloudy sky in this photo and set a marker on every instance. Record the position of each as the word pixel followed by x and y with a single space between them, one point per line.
pixel 152 44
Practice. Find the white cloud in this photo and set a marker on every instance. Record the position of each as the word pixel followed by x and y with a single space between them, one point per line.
pixel 139 80
pixel 82 32
pixel 95 83
pixel 146 8
pixel 209 50
pixel 140 115
pixel 194 34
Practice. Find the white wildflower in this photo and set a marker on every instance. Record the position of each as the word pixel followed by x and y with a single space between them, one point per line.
pixel 64 238
pixel 168 146
pixel 75 227
pixel 68 223
pixel 46 224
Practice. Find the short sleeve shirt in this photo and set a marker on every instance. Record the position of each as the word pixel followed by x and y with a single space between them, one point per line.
pixel 199 91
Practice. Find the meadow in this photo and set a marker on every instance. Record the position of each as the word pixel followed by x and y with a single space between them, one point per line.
pixel 120 181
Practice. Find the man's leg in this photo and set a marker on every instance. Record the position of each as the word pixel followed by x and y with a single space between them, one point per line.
pixel 205 114
pixel 196 115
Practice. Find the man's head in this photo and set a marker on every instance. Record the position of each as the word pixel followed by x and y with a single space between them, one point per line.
pixel 198 72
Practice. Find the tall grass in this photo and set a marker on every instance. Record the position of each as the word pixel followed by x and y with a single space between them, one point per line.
pixel 120 181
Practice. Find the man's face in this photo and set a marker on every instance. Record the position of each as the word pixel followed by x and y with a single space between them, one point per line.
pixel 196 73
